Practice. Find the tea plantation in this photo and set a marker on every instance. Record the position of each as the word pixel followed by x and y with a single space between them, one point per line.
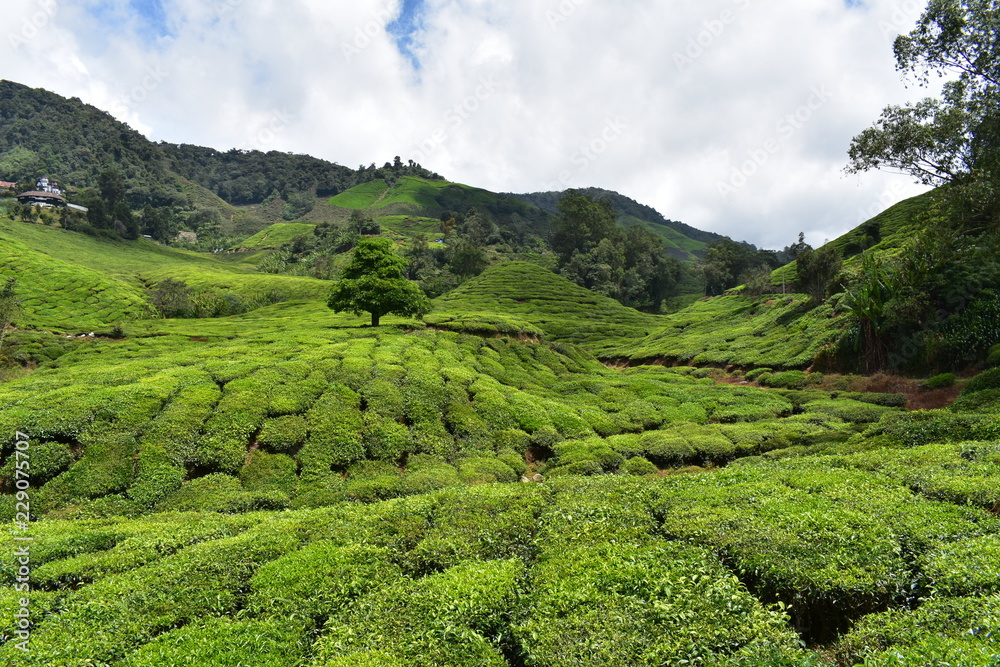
pixel 287 487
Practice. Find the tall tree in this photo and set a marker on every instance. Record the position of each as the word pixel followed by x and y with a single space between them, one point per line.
pixel 954 139
pixel 816 269
pixel 582 224
pixel 373 282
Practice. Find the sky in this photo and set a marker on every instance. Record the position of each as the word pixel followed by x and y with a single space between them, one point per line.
pixel 733 116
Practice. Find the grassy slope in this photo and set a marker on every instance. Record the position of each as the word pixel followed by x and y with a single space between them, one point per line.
pixel 361 196
pixel 75 282
pixel 276 235
pixel 561 309
pixel 779 333
pixel 776 331
pixel 895 226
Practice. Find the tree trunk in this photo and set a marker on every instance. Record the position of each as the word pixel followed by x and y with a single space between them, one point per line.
pixel 375 319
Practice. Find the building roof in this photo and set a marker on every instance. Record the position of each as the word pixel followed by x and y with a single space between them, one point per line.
pixel 36 194
pixel 7 184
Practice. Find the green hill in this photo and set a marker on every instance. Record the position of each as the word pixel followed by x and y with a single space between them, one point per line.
pixel 682 241
pixel 562 310
pixel 75 283
pixel 43 133
pixel 276 235
pixel 411 196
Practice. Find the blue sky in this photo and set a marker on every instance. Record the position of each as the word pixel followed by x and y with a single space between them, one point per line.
pixel 405 28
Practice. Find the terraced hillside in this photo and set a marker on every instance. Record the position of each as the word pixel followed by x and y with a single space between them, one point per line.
pixel 286 486
pixel 505 297
pixel 275 236
pixel 775 332
pixel 75 283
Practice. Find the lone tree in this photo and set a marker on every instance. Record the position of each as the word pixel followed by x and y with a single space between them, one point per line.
pixel 374 282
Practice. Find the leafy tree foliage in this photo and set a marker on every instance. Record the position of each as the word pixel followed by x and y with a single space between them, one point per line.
pixel 727 262
pixel 816 270
pixel 929 306
pixel 955 139
pixel 629 265
pixel 364 224
pixel 374 282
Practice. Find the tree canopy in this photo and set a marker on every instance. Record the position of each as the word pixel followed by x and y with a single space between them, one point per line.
pixel 373 282
pixel 954 139
pixel 630 265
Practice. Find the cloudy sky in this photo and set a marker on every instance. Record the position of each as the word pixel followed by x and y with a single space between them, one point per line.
pixel 730 115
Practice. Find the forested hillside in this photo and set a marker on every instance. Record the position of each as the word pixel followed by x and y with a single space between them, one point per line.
pixel 683 241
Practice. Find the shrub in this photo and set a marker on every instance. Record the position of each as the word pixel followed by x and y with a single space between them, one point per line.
pixel 283 433
pixel 483 470
pixel 479 523
pixel 591 449
pixel 385 439
pixel 371 481
pixel 993 358
pixel 940 381
pixel 787 380
pixel 943 631
pixel 224 641
pixel 885 400
pixel 106 619
pixel 650 604
pixel 269 472
pixel 335 426
pixel 989 379
pixel 588 467
pixel 217 492
pixel 408 620
pixel 987 400
pixel 307 586
pixel 639 466
pixel 427 478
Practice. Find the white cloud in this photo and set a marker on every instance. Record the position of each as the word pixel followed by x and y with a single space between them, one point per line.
pixel 662 101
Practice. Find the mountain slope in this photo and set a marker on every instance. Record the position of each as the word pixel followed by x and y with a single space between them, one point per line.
pixel 42 133
pixel 682 241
